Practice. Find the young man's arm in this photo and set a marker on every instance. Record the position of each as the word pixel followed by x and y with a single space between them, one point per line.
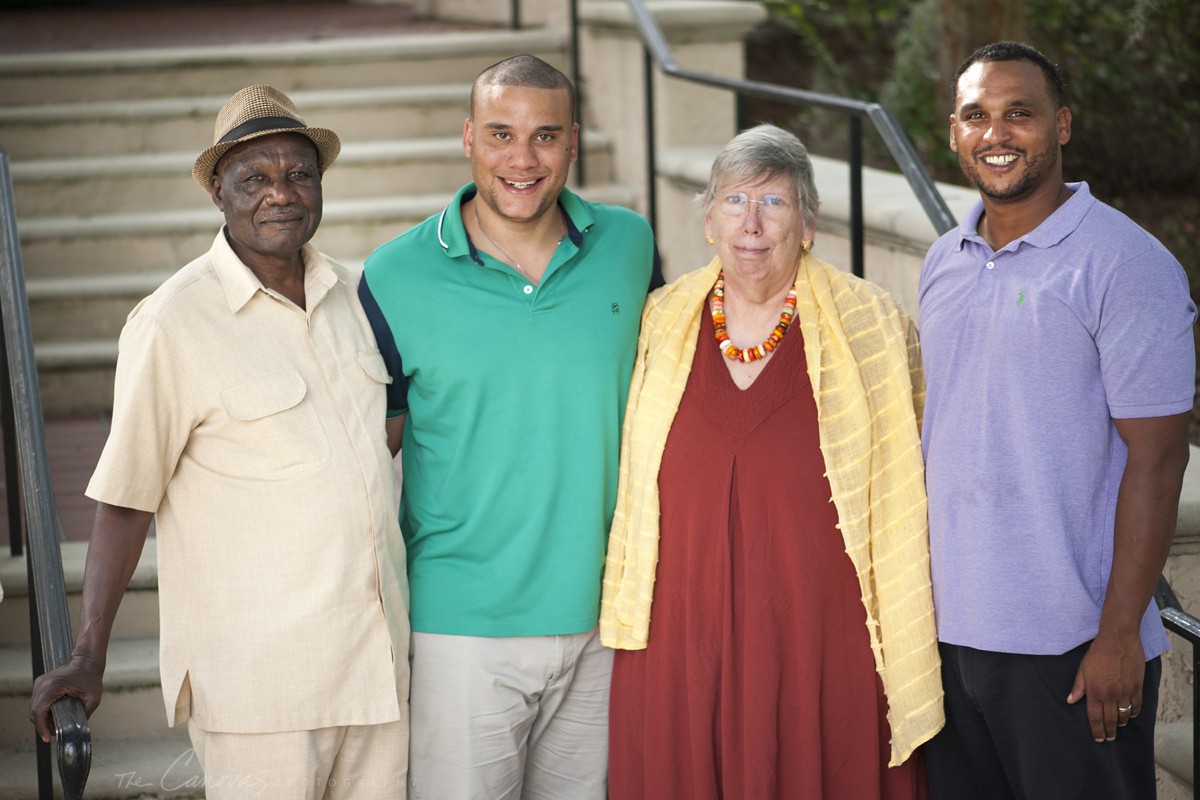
pixel 395 433
pixel 1111 673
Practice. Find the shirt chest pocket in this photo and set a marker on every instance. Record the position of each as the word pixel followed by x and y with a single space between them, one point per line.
pixel 273 429
pixel 372 364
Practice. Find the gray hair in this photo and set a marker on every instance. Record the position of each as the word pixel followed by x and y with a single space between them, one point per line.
pixel 762 153
pixel 525 71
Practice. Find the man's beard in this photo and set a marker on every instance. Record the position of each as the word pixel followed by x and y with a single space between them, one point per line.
pixel 1035 171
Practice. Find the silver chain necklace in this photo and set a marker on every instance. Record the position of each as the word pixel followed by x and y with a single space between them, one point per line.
pixel 503 252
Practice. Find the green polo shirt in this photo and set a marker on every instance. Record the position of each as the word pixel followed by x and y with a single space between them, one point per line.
pixel 514 395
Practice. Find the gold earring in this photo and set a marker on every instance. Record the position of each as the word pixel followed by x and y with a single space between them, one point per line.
pixel 806 245
pixel 708 239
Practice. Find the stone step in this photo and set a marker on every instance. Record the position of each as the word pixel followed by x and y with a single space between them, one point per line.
pixel 84 308
pixel 150 182
pixel 344 63
pixel 132 705
pixel 154 181
pixel 149 242
pixel 1173 749
pixel 185 123
pixel 146 242
pixel 137 617
pixel 137 769
pixel 77 381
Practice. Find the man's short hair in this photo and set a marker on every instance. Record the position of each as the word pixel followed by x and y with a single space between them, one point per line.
pixel 526 71
pixel 1015 51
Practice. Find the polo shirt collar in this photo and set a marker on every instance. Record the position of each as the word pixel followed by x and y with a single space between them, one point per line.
pixel 240 284
pixel 1056 227
pixel 452 234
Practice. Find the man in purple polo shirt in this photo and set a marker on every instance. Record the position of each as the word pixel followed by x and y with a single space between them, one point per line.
pixel 1057 339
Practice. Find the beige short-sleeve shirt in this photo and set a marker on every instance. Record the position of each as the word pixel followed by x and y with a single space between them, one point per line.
pixel 253 429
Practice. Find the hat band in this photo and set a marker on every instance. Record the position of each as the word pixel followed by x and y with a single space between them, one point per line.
pixel 260 124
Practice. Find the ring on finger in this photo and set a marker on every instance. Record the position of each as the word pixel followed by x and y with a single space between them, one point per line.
pixel 1125 709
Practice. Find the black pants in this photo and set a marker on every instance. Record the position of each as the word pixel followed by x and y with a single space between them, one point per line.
pixel 1010 734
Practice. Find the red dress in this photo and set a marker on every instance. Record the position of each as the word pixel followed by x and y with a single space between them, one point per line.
pixel 758 681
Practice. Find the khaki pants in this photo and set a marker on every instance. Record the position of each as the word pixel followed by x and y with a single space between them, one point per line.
pixel 357 761
pixel 520 718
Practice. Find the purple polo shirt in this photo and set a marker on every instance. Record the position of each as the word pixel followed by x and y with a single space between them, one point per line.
pixel 1030 352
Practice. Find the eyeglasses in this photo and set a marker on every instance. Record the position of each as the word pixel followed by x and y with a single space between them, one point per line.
pixel 771 206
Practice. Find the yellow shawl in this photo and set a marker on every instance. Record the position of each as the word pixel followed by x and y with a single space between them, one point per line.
pixel 865 367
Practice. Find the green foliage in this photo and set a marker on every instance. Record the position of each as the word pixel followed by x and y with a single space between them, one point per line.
pixel 838 47
pixel 911 89
pixel 1133 85
pixel 830 29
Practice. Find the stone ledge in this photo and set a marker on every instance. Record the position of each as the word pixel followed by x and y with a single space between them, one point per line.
pixel 115 285
pixel 891 212
pixel 256 54
pixel 693 20
pixel 1173 748
pixel 14 579
pixel 315 103
pixel 1187 530
pixel 179 163
pixel 132 665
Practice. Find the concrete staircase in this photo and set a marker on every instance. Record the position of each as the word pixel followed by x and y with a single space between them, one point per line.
pixel 101 146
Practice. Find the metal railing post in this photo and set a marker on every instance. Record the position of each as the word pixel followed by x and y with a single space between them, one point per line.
pixel 45 762
pixel 651 158
pixel 581 150
pixel 857 233
pixel 12 469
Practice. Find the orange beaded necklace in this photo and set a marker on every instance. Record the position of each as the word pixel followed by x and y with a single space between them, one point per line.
pixel 732 351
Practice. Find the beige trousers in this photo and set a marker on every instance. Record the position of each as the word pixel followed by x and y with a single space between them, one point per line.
pixel 364 762
pixel 518 718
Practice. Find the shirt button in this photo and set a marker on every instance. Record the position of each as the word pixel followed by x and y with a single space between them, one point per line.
pixel 990 265
pixel 528 289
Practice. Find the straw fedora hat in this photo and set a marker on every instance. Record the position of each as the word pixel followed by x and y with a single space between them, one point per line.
pixel 260 111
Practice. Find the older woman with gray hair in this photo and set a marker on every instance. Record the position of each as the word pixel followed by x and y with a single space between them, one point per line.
pixel 771 511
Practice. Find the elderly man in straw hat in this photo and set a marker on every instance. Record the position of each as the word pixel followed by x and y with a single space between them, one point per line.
pixel 248 422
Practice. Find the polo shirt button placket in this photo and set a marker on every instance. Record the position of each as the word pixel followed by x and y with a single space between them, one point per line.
pixel 528 289
pixel 990 265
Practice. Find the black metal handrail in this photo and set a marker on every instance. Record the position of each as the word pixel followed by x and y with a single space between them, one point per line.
pixel 50 625
pixel 1181 623
pixel 889 129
